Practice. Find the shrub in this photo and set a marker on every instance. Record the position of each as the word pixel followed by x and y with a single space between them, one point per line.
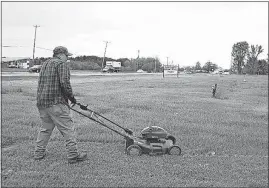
pixel 86 65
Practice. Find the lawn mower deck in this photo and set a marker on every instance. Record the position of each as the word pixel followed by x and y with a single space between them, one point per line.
pixel 154 140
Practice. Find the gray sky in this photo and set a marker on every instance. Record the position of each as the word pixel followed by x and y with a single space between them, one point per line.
pixel 186 32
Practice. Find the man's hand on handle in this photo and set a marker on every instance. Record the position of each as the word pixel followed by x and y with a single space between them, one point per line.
pixel 73 100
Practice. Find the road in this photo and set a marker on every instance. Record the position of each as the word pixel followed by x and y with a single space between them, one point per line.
pixel 74 73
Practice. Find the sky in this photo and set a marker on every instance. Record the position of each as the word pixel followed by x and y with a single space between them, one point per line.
pixel 180 33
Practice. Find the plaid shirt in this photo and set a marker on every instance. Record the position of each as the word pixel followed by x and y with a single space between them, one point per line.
pixel 54 83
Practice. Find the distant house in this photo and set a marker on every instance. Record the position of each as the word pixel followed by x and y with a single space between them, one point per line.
pixel 16 62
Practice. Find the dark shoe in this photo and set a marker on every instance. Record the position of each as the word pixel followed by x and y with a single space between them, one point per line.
pixel 79 158
pixel 39 155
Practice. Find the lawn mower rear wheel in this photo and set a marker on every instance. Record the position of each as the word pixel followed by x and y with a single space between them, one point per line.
pixel 174 150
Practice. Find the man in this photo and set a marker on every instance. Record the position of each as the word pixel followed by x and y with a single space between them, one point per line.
pixel 53 92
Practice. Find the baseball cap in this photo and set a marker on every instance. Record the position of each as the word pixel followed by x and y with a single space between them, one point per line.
pixel 61 50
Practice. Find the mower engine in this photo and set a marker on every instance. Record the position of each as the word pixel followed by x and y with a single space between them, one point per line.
pixel 154 140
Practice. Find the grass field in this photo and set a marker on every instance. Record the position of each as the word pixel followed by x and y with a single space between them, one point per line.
pixel 224 140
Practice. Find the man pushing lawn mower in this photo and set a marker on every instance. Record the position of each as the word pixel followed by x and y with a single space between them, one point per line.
pixel 53 92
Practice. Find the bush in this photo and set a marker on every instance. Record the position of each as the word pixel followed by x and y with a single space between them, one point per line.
pixel 77 65
pixel 127 69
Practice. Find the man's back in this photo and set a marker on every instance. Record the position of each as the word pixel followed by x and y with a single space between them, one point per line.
pixel 49 87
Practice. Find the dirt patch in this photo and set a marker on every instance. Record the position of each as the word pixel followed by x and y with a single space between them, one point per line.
pixel 11 90
pixel 92 140
pixel 261 112
pixel 261 109
pixel 8 141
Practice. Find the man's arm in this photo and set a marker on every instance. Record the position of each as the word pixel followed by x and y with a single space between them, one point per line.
pixel 64 76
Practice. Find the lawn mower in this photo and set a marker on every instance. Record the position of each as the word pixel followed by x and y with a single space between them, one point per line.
pixel 153 140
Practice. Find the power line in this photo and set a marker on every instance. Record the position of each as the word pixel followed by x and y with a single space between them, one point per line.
pixel 17 46
pixel 14 46
pixel 44 48
pixel 8 46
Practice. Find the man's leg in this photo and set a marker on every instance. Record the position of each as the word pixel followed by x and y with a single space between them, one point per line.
pixel 60 114
pixel 44 133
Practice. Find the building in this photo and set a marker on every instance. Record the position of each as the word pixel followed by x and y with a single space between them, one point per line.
pixel 116 65
pixel 16 62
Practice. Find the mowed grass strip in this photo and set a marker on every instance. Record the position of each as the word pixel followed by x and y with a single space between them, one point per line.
pixel 224 140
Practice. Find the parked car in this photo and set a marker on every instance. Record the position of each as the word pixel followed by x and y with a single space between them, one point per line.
pixel 35 68
pixel 218 71
pixel 140 71
pixel 189 72
pixel 108 69
pixel 226 72
pixel 12 66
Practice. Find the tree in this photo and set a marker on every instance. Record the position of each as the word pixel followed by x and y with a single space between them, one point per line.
pixel 252 59
pixel 239 53
pixel 209 66
pixel 139 63
pixel 198 66
pixel 126 63
pixel 133 64
pixel 262 66
pixel 147 64
pixel 189 68
pixel 181 69
pixel 157 64
pixel 147 67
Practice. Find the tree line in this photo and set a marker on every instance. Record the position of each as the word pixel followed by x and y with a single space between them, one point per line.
pixel 148 64
pixel 244 61
pixel 207 67
pixel 95 63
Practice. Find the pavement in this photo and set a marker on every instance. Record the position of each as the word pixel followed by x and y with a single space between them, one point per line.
pixel 82 73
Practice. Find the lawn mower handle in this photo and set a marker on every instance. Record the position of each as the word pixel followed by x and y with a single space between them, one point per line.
pixel 85 107
pixel 101 123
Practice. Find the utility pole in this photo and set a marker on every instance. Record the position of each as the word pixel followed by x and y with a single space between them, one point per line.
pixel 177 69
pixel 104 55
pixel 36 26
pixel 155 64
pixel 163 70
pixel 137 59
pixel 167 60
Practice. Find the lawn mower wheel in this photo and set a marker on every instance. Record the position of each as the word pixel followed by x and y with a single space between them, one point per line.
pixel 174 150
pixel 134 150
